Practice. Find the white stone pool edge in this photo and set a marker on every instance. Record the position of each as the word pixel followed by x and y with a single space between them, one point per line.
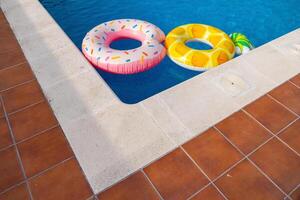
pixel 111 139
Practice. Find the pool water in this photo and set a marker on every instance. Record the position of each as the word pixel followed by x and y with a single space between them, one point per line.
pixel 261 21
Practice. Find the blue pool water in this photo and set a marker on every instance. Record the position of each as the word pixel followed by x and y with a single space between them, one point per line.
pixel 260 20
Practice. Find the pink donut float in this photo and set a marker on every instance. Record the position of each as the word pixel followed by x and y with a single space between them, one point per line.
pixel 96 46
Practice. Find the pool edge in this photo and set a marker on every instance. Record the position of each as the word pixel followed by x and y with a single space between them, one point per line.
pixel 165 112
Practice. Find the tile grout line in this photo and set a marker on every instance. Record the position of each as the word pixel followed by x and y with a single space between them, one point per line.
pixel 157 124
pixel 13 186
pixel 46 100
pixel 277 101
pixel 202 171
pixel 293 190
pixel 272 137
pixel 36 175
pixel 275 134
pixel 294 83
pixel 48 129
pixel 74 156
pixel 286 144
pixel 19 84
pixel 180 146
pixel 39 173
pixel 156 190
pixel 26 179
pixel 81 170
pixel 6 147
pixel 247 158
pixel 244 158
pixel 283 129
pixel 218 177
pixel 30 137
pixel 62 79
pixel 122 179
pixel 37 134
pixel 219 190
pixel 93 113
pixel 69 146
pixel 17 150
pixel 130 174
pixel 262 172
pixel 170 112
pixel 49 168
pixel 12 31
pixel 287 198
pixel 95 197
pixel 12 66
pixel 26 107
pixel 44 131
pixel 203 188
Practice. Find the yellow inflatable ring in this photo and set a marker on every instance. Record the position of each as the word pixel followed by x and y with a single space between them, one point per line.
pixel 201 60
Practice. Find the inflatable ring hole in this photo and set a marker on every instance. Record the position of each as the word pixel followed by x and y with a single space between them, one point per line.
pixel 198 44
pixel 125 44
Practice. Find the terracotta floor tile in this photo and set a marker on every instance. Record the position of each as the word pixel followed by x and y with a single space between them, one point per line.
pixel 43 151
pixel 10 171
pixel 289 95
pixel 245 182
pixel 280 163
pixel 292 136
pixel 209 193
pixel 15 75
pixel 212 152
pixel 270 113
pixel 175 176
pixel 243 131
pixel 5 138
pixel 134 187
pixel 21 96
pixel 10 58
pixel 296 194
pixel 32 120
pixel 2 18
pixel 66 181
pixel 1 109
pixel 18 193
pixel 5 31
pixel 8 43
pixel 92 198
pixel 296 80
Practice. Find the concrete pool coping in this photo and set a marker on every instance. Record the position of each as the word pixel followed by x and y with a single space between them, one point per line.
pixel 111 139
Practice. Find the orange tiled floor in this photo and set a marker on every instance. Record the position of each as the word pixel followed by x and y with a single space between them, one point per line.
pixel 36 161
pixel 252 154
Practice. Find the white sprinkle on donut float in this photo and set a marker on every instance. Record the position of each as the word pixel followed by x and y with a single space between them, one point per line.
pixel 96 46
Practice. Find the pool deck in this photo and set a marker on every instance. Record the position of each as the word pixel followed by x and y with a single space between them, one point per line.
pixel 230 133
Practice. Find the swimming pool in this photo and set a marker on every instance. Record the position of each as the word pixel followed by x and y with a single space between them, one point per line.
pixel 261 21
